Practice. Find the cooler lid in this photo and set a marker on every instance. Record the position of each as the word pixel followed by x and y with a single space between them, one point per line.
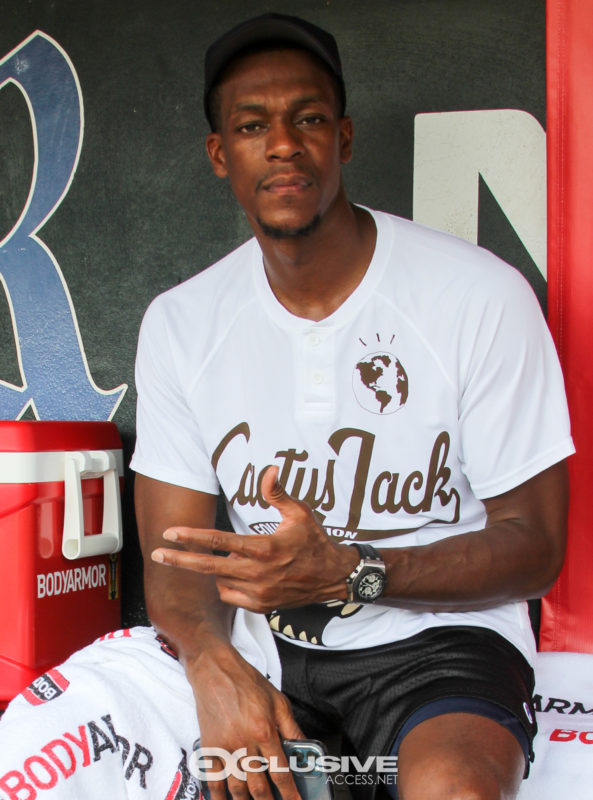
pixel 34 436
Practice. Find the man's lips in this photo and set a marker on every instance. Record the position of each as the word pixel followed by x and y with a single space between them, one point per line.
pixel 287 184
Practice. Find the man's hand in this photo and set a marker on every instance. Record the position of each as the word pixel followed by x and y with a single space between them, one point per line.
pixel 239 708
pixel 296 565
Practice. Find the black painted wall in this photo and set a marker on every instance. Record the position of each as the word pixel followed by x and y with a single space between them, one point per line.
pixel 144 212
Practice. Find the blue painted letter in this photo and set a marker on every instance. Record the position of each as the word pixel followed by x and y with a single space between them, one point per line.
pixel 56 380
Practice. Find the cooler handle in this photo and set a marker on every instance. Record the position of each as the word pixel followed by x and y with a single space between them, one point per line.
pixel 91 464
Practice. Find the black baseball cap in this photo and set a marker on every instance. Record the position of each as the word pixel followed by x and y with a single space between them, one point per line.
pixel 267 30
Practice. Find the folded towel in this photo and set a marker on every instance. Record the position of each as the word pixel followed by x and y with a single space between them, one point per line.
pixel 117 720
pixel 563 766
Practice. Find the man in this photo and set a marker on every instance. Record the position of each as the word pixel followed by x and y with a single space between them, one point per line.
pixel 382 408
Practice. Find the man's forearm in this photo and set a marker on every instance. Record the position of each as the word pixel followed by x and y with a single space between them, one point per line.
pixel 186 610
pixel 517 556
pixel 471 571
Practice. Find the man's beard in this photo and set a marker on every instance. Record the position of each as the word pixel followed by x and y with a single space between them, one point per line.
pixel 275 232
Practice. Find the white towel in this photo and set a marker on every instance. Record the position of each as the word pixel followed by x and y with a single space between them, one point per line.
pixel 116 720
pixel 563 747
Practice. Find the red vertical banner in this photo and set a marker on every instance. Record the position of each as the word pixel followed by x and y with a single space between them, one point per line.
pixel 567 612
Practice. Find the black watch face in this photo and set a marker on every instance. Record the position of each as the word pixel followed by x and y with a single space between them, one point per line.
pixel 370 586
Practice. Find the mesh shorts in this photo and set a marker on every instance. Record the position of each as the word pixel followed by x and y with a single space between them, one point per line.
pixel 366 696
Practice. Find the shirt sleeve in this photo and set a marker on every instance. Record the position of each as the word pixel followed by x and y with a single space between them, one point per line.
pixel 169 445
pixel 513 413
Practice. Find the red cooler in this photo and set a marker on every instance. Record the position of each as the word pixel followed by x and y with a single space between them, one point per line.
pixel 60 530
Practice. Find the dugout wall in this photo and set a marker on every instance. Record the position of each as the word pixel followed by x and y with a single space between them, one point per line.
pixel 102 163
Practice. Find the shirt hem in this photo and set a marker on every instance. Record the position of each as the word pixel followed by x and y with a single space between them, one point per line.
pixel 182 479
pixel 534 467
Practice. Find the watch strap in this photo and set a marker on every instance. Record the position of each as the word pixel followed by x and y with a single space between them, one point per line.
pixel 367 551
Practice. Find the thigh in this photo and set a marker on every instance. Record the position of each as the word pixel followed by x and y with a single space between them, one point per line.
pixel 457 756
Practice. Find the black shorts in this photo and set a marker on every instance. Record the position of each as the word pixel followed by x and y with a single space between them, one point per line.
pixel 367 696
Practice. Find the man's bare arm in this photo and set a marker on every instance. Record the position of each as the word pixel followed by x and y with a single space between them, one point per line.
pixel 518 555
pixel 236 705
pixel 178 604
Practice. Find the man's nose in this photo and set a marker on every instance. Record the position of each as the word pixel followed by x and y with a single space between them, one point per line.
pixel 283 141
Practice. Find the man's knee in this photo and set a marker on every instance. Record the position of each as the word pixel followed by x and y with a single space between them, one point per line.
pixel 459 757
pixel 439 779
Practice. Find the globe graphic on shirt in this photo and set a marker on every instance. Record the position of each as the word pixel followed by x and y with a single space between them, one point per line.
pixel 380 383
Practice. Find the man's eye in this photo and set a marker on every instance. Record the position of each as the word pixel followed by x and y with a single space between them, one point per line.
pixel 250 127
pixel 311 119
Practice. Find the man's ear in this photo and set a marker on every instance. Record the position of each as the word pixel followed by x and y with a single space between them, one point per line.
pixel 346 136
pixel 215 152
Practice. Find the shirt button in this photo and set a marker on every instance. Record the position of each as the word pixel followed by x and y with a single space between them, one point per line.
pixel 317 377
pixel 314 339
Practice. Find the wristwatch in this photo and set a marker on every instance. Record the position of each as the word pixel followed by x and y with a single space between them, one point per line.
pixel 366 582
